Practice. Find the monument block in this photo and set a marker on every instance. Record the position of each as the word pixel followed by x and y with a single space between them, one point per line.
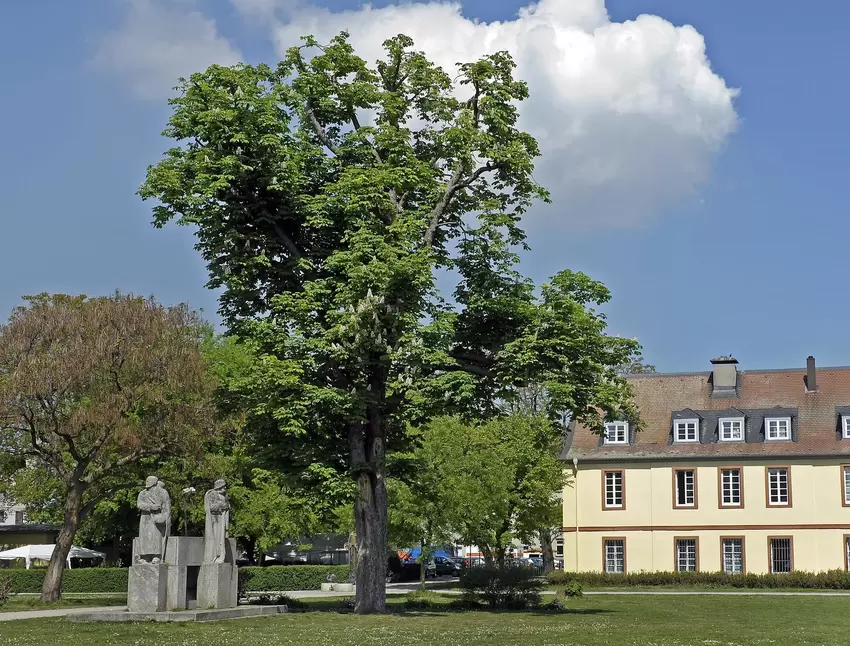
pixel 217 586
pixel 147 587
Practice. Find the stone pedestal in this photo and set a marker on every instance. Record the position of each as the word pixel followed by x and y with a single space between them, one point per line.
pixel 147 587
pixel 183 557
pixel 217 586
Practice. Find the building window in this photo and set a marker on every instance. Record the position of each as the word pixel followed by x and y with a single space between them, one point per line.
pixel 777 428
pixel 781 555
pixel 847 552
pixel 3 516
pixel 733 555
pixel 19 518
pixel 845 427
pixel 845 485
pixel 686 555
pixel 778 486
pixel 559 547
pixel 731 489
pixel 685 482
pixel 687 430
pixel 614 494
pixel 732 429
pixel 616 433
pixel 615 555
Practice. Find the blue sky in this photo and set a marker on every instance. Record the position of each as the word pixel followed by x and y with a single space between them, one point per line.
pixel 751 262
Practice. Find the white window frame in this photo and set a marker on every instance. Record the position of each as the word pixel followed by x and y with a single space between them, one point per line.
pixel 845 427
pixel 614 482
pixel 731 489
pixel 732 420
pixel 768 420
pixel 693 489
pixel 684 424
pixel 772 543
pixel 778 480
pixel 615 555
pixel 847 552
pixel 845 481
pixel 687 559
pixel 729 552
pixel 609 426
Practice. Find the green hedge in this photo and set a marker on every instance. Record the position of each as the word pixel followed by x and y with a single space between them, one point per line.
pixel 251 579
pixel 96 579
pixel 830 580
pixel 288 577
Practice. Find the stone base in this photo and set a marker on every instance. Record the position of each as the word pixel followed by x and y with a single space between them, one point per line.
pixel 338 587
pixel 147 587
pixel 189 615
pixel 217 586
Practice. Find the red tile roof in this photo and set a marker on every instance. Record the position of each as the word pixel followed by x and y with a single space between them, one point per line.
pixel 658 396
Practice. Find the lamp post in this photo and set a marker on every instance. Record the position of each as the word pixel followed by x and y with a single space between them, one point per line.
pixel 188 492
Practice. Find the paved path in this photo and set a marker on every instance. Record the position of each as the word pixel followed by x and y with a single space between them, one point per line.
pixel 58 612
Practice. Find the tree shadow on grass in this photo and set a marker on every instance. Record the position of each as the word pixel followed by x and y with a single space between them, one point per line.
pixel 344 606
pixel 571 611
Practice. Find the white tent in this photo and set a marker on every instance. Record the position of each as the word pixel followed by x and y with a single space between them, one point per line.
pixel 44 552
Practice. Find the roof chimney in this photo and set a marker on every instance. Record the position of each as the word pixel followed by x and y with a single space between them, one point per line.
pixel 811 375
pixel 724 375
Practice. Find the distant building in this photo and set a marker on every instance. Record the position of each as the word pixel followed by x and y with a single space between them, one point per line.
pixel 727 470
pixel 10 513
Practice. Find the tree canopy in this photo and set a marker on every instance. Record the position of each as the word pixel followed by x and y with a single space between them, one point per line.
pixel 88 389
pixel 325 194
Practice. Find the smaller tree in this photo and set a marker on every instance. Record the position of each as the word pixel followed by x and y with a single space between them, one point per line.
pixel 420 496
pixel 89 387
pixel 487 483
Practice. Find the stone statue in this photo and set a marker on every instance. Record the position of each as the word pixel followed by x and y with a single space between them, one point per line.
pixel 217 509
pixel 164 516
pixel 155 506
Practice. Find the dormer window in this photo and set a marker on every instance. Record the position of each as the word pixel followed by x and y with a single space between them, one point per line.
pixel 616 433
pixel 845 427
pixel 732 429
pixel 777 428
pixel 686 430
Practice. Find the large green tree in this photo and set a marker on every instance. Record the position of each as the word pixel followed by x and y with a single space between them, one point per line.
pixel 326 193
pixel 90 387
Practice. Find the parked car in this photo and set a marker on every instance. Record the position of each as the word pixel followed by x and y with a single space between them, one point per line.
pixel 444 566
pixel 535 561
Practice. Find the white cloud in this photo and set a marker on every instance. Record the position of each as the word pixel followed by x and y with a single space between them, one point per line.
pixel 160 41
pixel 629 115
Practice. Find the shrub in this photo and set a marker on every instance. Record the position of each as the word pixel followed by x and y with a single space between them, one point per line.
pixel 5 590
pixel 573 590
pixel 829 580
pixel 511 587
pixel 280 578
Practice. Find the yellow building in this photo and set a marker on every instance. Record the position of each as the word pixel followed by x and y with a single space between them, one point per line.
pixel 724 471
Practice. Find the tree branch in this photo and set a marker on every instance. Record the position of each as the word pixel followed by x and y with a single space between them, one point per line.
pixel 455 184
pixel 91 504
pixel 98 474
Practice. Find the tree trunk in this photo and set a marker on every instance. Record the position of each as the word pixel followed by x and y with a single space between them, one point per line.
pixel 370 514
pixel 546 548
pixel 352 557
pixel 52 588
pixel 422 571
pixel 251 549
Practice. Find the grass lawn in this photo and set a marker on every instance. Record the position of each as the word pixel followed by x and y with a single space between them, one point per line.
pixel 626 620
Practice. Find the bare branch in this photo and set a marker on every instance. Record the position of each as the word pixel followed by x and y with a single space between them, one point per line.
pixel 455 184
pixel 97 474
